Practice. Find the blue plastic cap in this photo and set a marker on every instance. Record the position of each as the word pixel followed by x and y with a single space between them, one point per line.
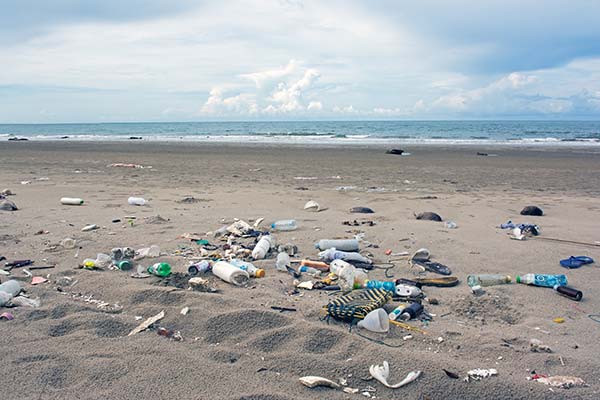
pixel 273 226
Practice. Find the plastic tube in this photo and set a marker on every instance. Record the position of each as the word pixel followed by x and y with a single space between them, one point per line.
pixel 71 201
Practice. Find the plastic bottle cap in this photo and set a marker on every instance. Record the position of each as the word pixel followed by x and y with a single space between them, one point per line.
pixel 273 225
pixel 518 279
pixel 260 273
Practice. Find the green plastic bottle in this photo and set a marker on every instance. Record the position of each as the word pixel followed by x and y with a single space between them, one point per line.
pixel 160 269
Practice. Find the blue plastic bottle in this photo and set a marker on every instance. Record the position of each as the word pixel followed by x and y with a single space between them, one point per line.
pixel 391 286
pixel 543 280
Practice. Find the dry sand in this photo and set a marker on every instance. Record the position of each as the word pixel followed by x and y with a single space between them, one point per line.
pixel 235 346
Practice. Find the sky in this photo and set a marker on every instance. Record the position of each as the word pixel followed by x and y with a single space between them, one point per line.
pixel 192 60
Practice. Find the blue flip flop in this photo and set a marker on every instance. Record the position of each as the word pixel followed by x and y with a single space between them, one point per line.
pixel 576 261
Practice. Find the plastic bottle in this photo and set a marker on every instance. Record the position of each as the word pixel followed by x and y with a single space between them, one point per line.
pixel 543 280
pixel 103 260
pixel 346 278
pixel 283 261
pixel 249 268
pixel 124 265
pixel 230 273
pixel 340 244
pixel 263 247
pixel 360 278
pixel 285 225
pixel 71 201
pixel 8 290
pixel 488 279
pixel 136 201
pixel 200 267
pixel 334 254
pixel 389 286
pixel 89 263
pixel 411 312
pixel 309 270
pixel 569 292
pixel 160 269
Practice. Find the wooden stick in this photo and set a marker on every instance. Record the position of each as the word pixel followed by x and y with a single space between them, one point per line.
pixel 566 241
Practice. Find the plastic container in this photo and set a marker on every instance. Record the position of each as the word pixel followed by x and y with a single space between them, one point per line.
pixel 263 247
pixel 283 261
pixel 340 244
pixel 488 279
pixel 136 201
pixel 285 225
pixel 336 266
pixel 250 268
pixel 397 312
pixel 569 292
pixel 334 254
pixel 200 267
pixel 407 291
pixel 8 290
pixel 230 273
pixel 543 280
pixel 125 265
pixel 71 201
pixel 160 269
pixel 450 225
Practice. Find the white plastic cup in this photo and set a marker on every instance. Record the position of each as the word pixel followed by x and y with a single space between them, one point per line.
pixel 136 201
pixel 71 201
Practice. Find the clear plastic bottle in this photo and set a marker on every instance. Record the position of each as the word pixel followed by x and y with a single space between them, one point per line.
pixel 160 269
pixel 250 268
pixel 360 279
pixel 346 278
pixel 334 254
pixel 340 244
pixel 103 260
pixel 285 225
pixel 543 280
pixel 488 279
pixel 283 261
pixel 309 270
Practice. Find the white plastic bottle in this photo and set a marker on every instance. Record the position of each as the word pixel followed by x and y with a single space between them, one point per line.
pixel 136 201
pixel 263 247
pixel 285 225
pixel 230 273
pixel 71 201
pixel 250 268
pixel 283 261
pixel 340 244
pixel 346 278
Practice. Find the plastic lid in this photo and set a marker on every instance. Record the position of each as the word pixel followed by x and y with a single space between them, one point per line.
pixel 260 273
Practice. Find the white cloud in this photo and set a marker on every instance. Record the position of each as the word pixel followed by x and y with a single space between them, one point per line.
pixel 315 106
pixel 260 78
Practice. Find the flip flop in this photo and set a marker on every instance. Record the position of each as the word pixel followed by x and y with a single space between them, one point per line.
pixel 433 266
pixel 438 282
pixel 576 261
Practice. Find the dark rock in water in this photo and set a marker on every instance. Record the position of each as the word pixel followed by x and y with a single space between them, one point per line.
pixel 482 154
pixel 397 152
pixel 64 137
pixel 18 139
pixel 361 210
pixel 532 210
pixel 135 137
pixel 7 205
pixel 429 216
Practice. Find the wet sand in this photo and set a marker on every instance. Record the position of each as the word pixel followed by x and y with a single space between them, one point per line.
pixel 236 346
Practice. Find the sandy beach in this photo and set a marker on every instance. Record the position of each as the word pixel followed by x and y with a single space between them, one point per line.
pixel 235 346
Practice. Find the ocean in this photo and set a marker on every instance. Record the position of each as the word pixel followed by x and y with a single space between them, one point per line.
pixel 585 133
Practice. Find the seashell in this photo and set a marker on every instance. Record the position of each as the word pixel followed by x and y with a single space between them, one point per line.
pixel 312 206
pixel 314 381
pixel 382 372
